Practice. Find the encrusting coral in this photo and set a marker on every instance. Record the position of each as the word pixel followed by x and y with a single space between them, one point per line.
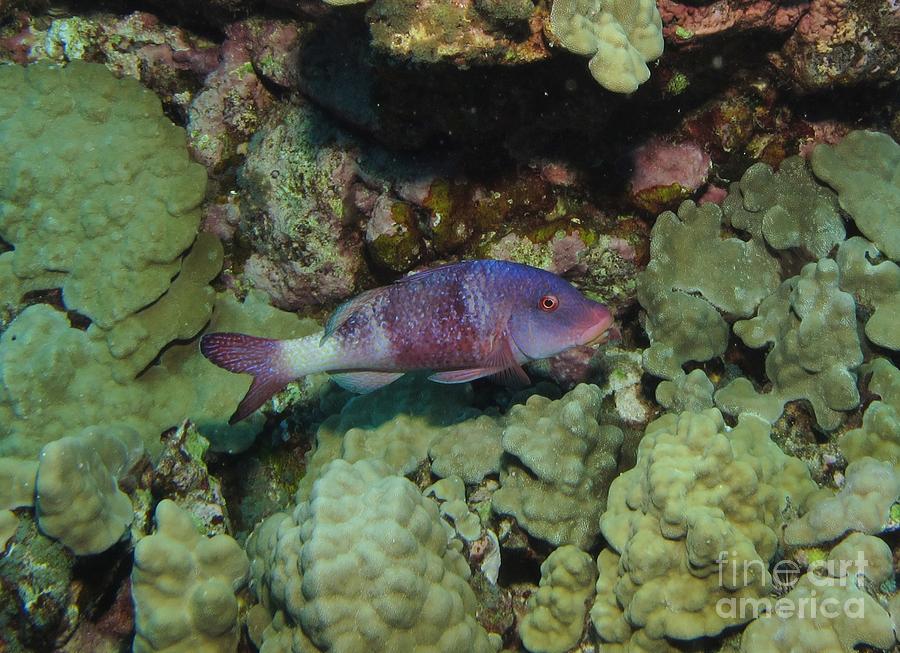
pixel 620 36
pixel 560 463
pixel 788 208
pixel 863 505
pixel 136 204
pixel 875 286
pixel 811 324
pixel 732 276
pixel 864 169
pixel 830 611
pixel 77 496
pixel 698 492
pixel 366 564
pixel 16 491
pixel 556 611
pixel 183 585
pixel 879 435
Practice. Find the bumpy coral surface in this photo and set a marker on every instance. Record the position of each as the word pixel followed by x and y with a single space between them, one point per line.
pixel 560 463
pixel 16 491
pixel 112 241
pixel 557 610
pixel 365 565
pixel 77 497
pixel 183 585
pixel 788 208
pixel 811 323
pixel 700 502
pixel 863 505
pixel 830 611
pixel 864 169
pixel 620 36
pixel 875 286
pixel 879 435
pixel 732 276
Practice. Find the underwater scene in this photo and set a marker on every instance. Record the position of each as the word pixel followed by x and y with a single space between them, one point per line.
pixel 449 326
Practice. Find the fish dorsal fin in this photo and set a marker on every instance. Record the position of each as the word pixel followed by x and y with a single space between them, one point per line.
pixel 364 382
pixel 501 364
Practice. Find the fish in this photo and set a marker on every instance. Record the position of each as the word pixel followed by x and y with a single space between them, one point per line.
pixel 460 322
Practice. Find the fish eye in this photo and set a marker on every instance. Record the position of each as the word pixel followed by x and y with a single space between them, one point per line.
pixel 548 303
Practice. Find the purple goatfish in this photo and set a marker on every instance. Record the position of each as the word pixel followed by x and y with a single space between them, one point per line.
pixel 461 321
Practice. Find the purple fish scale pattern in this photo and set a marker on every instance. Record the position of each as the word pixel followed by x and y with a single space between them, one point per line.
pixel 449 318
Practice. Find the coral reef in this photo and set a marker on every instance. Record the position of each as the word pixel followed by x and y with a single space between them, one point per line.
pixel 557 610
pixel 876 287
pixel 90 218
pixel 620 36
pixel 16 491
pixel 816 350
pixel 862 505
pixel 365 564
pixel 559 464
pixel 879 435
pixel 183 585
pixel 696 491
pixel 77 497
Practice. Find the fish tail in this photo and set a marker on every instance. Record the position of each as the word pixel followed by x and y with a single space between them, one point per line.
pixel 264 358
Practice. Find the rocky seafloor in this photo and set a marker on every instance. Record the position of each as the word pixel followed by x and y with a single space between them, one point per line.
pixel 724 175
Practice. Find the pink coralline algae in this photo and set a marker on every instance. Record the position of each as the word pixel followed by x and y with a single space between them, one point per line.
pixel 666 173
pixel 234 101
pixel 840 43
pixel 683 22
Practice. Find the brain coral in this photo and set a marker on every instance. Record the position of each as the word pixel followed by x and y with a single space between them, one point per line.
pixel 620 36
pixel 699 497
pixel 366 564
pixel 560 463
pixel 183 586
pixel 111 241
pixel 864 168
pixel 77 498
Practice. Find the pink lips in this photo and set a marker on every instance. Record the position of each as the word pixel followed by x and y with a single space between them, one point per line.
pixel 596 333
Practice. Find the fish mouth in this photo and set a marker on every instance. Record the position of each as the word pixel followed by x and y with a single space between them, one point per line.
pixel 598 334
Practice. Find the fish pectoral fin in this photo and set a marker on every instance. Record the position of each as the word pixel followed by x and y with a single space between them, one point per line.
pixel 461 376
pixel 364 382
pixel 502 367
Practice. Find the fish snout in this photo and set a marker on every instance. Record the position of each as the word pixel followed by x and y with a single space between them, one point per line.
pixel 599 332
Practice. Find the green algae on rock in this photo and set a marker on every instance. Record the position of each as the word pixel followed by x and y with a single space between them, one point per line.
pixel 620 36
pixel 135 206
pixel 697 489
pixel 183 585
pixel 864 169
pixel 366 564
